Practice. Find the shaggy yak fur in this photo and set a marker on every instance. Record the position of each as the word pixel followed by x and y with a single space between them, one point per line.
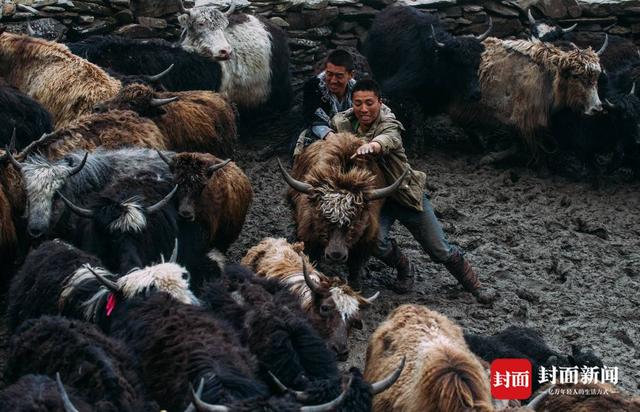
pixel 12 206
pixel 39 393
pixel 335 213
pixel 523 83
pixel 19 111
pixel 66 85
pixel 332 306
pixel 219 200
pixel 151 56
pixel 441 373
pixel 607 398
pixel 199 121
pixel 101 368
pixel 111 130
pixel 54 280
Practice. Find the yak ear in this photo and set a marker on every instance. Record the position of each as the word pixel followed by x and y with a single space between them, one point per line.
pixel 298 247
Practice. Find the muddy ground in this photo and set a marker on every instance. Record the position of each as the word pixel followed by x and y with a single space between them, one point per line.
pixel 563 256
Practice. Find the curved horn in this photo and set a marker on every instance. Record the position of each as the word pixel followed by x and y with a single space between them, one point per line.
pixel 82 212
pixel 191 407
pixel 300 396
pixel 13 160
pixel 530 17
pixel 631 93
pixel 570 29
pixel 174 254
pixel 433 35
pixel 161 102
pixel 201 406
pixel 78 168
pixel 307 279
pixel 387 191
pixel 109 284
pixel 33 144
pixel 535 402
pixel 163 202
pixel 160 75
pixel 329 406
pixel 231 9
pixel 164 157
pixel 486 33
pixel 609 104
pixel 30 30
pixel 217 166
pixel 68 406
pixel 370 300
pixel 386 383
pixel 604 46
pixel 295 184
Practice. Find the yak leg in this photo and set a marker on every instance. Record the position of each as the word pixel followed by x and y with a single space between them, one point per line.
pixel 355 265
pixel 494 157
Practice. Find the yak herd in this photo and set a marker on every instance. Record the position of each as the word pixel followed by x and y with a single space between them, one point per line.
pixel 118 201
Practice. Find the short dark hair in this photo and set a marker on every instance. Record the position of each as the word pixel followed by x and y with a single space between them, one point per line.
pixel 342 58
pixel 367 85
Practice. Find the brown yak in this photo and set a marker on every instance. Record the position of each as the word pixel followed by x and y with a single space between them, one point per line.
pixel 65 84
pixel 330 304
pixel 216 194
pixel 111 130
pixel 192 121
pixel 524 82
pixel 337 201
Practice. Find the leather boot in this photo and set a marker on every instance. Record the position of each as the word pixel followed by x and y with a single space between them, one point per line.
pixel 461 269
pixel 396 259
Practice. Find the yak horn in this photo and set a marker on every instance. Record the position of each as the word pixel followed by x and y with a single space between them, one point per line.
pixel 530 16
pixel 160 75
pixel 386 383
pixel 78 168
pixel 174 254
pixel 68 406
pixel 191 407
pixel 604 46
pixel 535 402
pixel 370 300
pixel 295 184
pixel 82 212
pixel 609 104
pixel 25 152
pixel 202 406
pixel 163 202
pixel 329 406
pixel 570 29
pixel 161 102
pixel 217 166
pixel 300 395
pixel 387 191
pixel 30 30
pixel 231 9
pixel 486 33
pixel 13 160
pixel 109 284
pixel 164 157
pixel 307 279
pixel 433 34
pixel 631 93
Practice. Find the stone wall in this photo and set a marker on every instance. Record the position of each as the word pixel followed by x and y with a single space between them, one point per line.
pixel 314 26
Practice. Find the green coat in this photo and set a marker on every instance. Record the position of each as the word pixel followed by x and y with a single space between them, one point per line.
pixel 386 131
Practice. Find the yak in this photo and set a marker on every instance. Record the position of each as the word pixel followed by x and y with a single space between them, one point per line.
pixel 40 393
pixel 198 121
pixel 253 54
pixel 101 368
pixel 336 202
pixel 12 207
pixel 66 85
pixel 58 278
pixel 333 308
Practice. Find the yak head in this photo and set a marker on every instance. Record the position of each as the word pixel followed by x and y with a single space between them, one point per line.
pixel 203 31
pixel 191 172
pixel 140 98
pixel 546 30
pixel 127 230
pixel 339 214
pixel 624 111
pixel 461 58
pixel 42 179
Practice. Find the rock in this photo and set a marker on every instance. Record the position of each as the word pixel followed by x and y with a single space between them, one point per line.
pixel 86 19
pixel 455 11
pixel 91 8
pixel 155 8
pixel 53 9
pixel 136 31
pixel 364 11
pixel 555 9
pixel 316 4
pixel 619 30
pixel 501 9
pixel 378 4
pixel 43 3
pixel 152 22
pixel 47 28
pixel 343 2
pixel 345 42
pixel 126 4
pixel 279 21
pixel 65 3
pixel 8 9
pixel 302 43
pixel 124 17
pixel 422 3
pixel 472 9
pixel 308 18
pixel 97 27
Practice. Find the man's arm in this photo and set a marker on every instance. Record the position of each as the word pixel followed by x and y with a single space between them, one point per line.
pixel 389 138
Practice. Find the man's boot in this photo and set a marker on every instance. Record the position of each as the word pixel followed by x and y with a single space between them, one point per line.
pixel 460 268
pixel 396 259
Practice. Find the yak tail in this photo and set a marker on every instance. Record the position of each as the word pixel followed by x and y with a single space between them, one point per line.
pixel 453 380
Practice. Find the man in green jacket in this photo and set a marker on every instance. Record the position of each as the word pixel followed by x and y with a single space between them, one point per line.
pixel 371 120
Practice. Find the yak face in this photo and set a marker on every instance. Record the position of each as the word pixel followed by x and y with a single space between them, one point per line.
pixel 576 86
pixel 138 98
pixel 203 31
pixel 461 57
pixel 165 277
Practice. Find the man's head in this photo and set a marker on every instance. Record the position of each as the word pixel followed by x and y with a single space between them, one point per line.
pixel 338 71
pixel 366 101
